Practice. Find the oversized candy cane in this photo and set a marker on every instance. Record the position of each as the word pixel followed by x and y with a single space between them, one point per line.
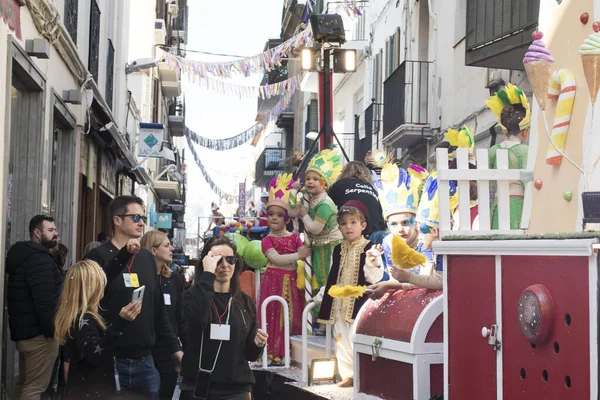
pixel 562 87
pixel 308 294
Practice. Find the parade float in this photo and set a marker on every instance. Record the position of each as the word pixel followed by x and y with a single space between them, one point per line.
pixel 520 304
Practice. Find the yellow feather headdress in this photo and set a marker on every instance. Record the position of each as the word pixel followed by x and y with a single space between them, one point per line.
pixel 399 190
pixel 404 256
pixel 381 157
pixel 429 211
pixel 279 191
pixel 327 164
pixel 510 95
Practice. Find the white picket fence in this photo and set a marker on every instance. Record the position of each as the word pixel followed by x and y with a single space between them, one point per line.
pixel 483 175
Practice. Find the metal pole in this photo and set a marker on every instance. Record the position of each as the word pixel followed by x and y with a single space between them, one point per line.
pixel 327 97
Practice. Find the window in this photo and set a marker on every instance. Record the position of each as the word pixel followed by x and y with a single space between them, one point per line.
pixel 110 73
pixel 71 14
pixel 155 101
pixel 94 57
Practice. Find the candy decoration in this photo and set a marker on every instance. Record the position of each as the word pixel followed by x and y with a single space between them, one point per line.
pixel 538 62
pixel 590 57
pixel 584 18
pixel 596 27
pixel 538 183
pixel 568 195
pixel 562 87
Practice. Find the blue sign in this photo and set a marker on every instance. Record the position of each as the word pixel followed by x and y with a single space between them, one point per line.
pixel 180 259
pixel 164 221
pixel 152 213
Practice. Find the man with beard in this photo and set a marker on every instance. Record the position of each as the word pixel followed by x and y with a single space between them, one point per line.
pixel 34 285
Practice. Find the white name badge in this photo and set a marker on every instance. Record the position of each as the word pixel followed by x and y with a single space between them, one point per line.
pixel 219 332
pixel 167 299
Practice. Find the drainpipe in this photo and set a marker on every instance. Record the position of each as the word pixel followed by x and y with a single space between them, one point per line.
pixel 433 16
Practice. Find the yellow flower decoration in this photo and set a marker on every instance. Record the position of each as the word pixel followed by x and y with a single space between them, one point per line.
pixel 404 256
pixel 344 292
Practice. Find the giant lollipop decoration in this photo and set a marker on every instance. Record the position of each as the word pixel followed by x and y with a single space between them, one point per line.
pixel 590 57
pixel 538 62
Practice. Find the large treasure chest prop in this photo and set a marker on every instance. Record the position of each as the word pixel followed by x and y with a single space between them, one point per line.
pixel 521 319
pixel 398 349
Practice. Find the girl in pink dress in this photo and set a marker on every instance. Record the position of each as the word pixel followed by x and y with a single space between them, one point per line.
pixel 283 249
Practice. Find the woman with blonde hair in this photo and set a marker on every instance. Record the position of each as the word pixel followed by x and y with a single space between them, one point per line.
pixel 172 288
pixel 86 337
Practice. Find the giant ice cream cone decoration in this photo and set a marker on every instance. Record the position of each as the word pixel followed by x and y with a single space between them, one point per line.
pixel 538 63
pixel 590 57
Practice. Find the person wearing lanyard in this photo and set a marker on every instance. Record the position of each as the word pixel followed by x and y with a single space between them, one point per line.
pixel 222 321
pixel 171 285
pixel 133 351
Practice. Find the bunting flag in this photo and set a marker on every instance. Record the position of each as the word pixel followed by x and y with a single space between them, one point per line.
pixel 225 144
pixel 219 192
pixel 266 61
pixel 244 91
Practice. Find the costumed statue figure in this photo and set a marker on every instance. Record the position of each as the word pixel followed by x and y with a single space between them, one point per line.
pixel 514 115
pixel 464 138
pixel 399 192
pixel 356 263
pixel 282 249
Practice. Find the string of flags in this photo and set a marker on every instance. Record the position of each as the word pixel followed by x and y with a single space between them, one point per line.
pixel 266 61
pixel 244 91
pixel 218 191
pixel 225 144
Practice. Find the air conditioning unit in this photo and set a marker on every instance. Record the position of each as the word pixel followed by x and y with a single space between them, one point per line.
pixel 173 7
pixel 160 32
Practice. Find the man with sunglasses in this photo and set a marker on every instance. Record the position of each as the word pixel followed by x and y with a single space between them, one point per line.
pixel 125 273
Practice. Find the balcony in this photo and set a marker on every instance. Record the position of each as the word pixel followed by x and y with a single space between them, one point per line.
pixel 292 14
pixel 160 32
pixel 170 80
pixel 178 37
pixel 406 104
pixel 270 163
pixel 499 32
pixel 276 75
pixel 168 190
pixel 177 117
pixel 366 127
pixel 355 26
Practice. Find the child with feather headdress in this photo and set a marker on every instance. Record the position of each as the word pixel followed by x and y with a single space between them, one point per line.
pixel 283 250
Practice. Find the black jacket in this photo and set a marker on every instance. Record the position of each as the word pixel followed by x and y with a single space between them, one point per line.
pixel 139 338
pixel 232 371
pixel 34 286
pixel 173 288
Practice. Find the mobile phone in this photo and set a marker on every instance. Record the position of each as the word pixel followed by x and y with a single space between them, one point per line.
pixel 202 386
pixel 138 294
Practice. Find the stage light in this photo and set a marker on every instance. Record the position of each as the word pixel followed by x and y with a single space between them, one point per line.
pixel 328 28
pixel 308 59
pixel 322 369
pixel 344 60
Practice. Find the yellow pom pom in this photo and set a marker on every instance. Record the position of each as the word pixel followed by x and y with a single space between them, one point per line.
pixel 345 292
pixel 300 275
pixel 405 257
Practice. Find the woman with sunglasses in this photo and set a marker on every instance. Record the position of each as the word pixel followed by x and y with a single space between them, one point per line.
pixel 222 322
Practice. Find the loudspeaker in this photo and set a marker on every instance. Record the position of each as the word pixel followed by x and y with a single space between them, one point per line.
pixel 328 28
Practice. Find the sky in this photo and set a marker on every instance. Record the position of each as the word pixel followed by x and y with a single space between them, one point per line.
pixel 238 27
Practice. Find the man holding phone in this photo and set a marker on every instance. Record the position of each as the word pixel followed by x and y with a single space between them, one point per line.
pixel 134 361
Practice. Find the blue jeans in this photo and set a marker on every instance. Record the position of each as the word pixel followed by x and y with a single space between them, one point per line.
pixel 138 375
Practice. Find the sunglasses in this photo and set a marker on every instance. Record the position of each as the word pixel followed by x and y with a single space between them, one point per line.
pixel 231 260
pixel 135 217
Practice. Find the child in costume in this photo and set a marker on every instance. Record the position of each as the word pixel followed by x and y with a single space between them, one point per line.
pixel 320 219
pixel 429 275
pixel 463 138
pixel 399 192
pixel 514 115
pixel 282 249
pixel 356 262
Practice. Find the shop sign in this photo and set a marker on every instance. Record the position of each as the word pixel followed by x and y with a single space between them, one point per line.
pixel 242 200
pixel 180 259
pixel 150 141
pixel 164 220
pixel 108 174
pixel 10 11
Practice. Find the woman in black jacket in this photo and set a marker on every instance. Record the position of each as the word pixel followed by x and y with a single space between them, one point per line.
pixel 86 338
pixel 171 286
pixel 222 321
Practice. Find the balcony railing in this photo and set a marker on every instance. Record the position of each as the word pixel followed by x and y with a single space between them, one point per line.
pixel 270 163
pixel 355 25
pixel 177 116
pixel 365 137
pixel 499 32
pixel 406 96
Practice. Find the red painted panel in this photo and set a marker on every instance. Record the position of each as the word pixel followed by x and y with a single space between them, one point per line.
pixel 566 278
pixel 436 332
pixel 436 378
pixel 471 306
pixel 386 379
pixel 395 314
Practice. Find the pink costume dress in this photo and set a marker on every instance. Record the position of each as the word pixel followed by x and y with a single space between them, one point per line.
pixel 280 280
